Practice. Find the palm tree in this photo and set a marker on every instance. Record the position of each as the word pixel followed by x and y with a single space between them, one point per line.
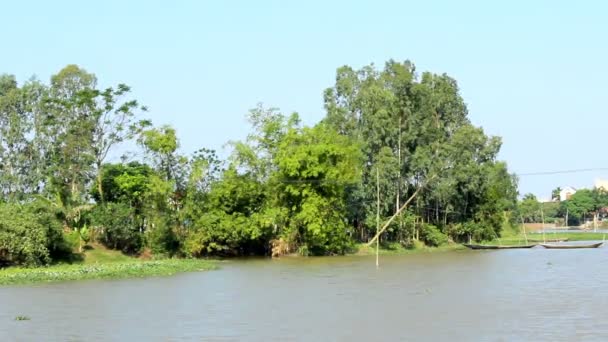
pixel 555 194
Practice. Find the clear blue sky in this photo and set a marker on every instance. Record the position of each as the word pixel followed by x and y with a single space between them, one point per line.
pixel 533 72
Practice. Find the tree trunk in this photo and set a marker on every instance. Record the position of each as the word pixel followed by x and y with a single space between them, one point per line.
pixel 436 212
pixel 595 221
pixel 422 217
pixel 73 187
pixel 361 236
pixel 99 185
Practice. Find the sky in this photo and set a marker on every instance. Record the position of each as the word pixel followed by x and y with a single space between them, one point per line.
pixel 532 72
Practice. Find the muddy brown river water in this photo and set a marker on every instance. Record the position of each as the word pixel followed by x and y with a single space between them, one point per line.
pixel 510 295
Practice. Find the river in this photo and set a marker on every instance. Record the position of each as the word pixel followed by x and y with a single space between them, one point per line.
pixel 505 295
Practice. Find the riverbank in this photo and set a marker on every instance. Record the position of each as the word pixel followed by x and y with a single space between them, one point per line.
pixel 520 239
pixel 398 249
pixel 97 262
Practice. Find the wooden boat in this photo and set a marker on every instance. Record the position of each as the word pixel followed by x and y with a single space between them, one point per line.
pixel 471 246
pixel 592 245
pixel 549 240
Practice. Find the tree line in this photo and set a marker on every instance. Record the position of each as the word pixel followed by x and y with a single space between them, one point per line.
pixel 285 188
pixel 583 205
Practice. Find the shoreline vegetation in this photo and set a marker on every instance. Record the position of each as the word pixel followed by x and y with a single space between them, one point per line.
pixel 101 263
pixel 395 155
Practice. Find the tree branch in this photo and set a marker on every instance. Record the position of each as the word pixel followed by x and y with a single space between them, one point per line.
pixel 399 211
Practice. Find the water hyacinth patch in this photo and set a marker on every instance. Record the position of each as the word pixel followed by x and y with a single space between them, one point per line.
pixel 136 269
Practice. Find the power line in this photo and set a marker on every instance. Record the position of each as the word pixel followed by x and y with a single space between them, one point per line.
pixel 544 173
pixel 538 173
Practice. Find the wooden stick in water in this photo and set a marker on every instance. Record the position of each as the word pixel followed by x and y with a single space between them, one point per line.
pixel 523 226
pixel 377 216
pixel 542 215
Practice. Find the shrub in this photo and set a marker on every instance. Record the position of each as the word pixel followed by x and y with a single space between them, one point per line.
pixel 321 228
pixel 219 233
pixel 432 236
pixel 472 230
pixel 116 226
pixel 72 239
pixel 59 247
pixel 24 240
pixel 162 240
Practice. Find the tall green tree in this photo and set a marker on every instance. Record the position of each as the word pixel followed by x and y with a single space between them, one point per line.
pixel 414 128
pixel 529 208
pixel 581 204
pixel 114 121
pixel 315 166
pixel 68 135
pixel 15 125
pixel 21 155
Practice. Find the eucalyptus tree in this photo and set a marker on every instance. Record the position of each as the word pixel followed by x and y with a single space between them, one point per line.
pixel 412 128
pixel 68 133
pixel 15 125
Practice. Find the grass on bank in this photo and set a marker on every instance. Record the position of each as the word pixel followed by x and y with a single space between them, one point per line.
pixel 398 249
pixel 519 239
pixel 98 254
pixel 101 263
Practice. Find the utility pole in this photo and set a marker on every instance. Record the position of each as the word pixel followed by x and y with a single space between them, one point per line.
pixel 397 205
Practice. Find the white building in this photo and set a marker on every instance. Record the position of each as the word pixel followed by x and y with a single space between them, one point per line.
pixel 601 184
pixel 566 192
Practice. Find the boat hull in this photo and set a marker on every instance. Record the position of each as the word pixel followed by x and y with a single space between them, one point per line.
pixel 593 245
pixel 471 246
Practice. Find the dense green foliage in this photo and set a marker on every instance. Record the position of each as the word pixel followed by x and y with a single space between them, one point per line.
pixel 116 225
pixel 585 204
pixel 415 132
pixel 286 188
pixel 529 209
pixel 29 235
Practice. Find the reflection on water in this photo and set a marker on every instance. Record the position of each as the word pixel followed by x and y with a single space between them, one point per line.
pixel 509 295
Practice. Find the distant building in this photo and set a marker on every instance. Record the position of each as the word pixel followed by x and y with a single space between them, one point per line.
pixel 566 193
pixel 601 184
